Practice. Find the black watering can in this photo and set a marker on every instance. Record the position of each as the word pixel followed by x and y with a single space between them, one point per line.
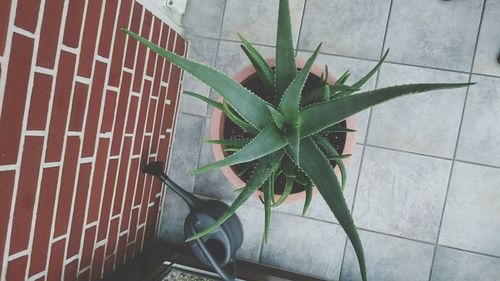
pixel 218 248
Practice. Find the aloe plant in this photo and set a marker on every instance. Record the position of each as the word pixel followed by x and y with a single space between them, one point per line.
pixel 287 133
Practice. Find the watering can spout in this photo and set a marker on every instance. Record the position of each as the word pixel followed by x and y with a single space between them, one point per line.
pixel 156 169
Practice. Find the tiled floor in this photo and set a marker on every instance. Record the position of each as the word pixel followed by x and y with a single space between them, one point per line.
pixel 424 180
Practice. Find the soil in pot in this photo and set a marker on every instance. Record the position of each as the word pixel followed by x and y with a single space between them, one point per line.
pixel 232 131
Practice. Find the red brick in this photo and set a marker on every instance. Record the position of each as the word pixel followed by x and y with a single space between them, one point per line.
pixel 121 249
pixel 141 54
pixel 133 225
pixel 145 200
pixel 26 191
pixel 109 112
pixel 98 180
pixel 49 34
pixel 121 114
pixel 67 186
pixel 78 107
pixel 7 183
pixel 94 109
pixel 73 25
pixel 131 43
pixel 164 148
pixel 79 210
pixel 109 265
pixel 43 223
pixel 131 116
pixel 122 175
pixel 171 47
pixel 39 105
pixel 4 24
pixel 139 188
pixel 16 269
pixel 56 260
pixel 151 222
pixel 139 131
pixel 97 263
pixel 89 38
pixel 139 239
pixel 158 122
pixel 112 236
pixel 71 270
pixel 129 193
pixel 130 252
pixel 157 77
pixel 108 197
pixel 27 14
pixel 88 247
pixel 155 38
pixel 165 35
pixel 107 28
pixel 84 276
pixel 14 99
pixel 60 106
pixel 119 44
pixel 151 115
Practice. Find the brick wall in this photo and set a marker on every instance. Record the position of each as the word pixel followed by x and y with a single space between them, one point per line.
pixel 83 108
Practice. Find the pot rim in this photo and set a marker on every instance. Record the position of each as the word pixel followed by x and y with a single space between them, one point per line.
pixel 217 132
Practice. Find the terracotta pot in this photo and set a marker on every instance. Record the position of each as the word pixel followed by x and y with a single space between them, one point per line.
pixel 217 132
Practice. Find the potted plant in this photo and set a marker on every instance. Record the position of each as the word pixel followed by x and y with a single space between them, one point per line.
pixel 284 126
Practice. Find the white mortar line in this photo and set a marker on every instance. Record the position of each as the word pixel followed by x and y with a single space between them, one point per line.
pixel 96 143
pixel 46 71
pixel 38 275
pixel 51 164
pixel 7 167
pixel 18 255
pixel 83 80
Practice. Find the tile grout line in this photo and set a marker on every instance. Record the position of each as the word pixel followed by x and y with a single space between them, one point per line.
pixel 366 138
pixel 300 28
pixel 456 144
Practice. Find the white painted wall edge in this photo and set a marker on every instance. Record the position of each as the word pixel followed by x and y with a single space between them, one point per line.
pixel 169 11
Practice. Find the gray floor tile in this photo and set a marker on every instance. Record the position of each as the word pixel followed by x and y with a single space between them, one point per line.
pixel 451 264
pixel 434 33
pixel 358 68
pixel 252 219
pixel 425 123
pixel 175 211
pixel 471 219
pixel 203 51
pixel 353 28
pixel 488 47
pixel 257 20
pixel 480 127
pixel 401 194
pixel 231 59
pixel 202 18
pixel 185 149
pixel 318 209
pixel 389 259
pixel 302 245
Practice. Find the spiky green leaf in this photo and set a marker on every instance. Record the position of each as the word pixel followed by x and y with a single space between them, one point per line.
pixel 286 70
pixel 263 170
pixel 228 111
pixel 314 163
pixel 319 116
pixel 372 72
pixel 278 118
pixel 251 107
pixel 210 101
pixel 266 142
pixel 309 191
pixel 290 101
pixel 266 74
pixel 288 188
pixel 332 154
pixel 268 194
pixel 318 93
pixel 239 143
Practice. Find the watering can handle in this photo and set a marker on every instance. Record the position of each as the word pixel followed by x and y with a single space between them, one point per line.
pixel 156 169
pixel 218 268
